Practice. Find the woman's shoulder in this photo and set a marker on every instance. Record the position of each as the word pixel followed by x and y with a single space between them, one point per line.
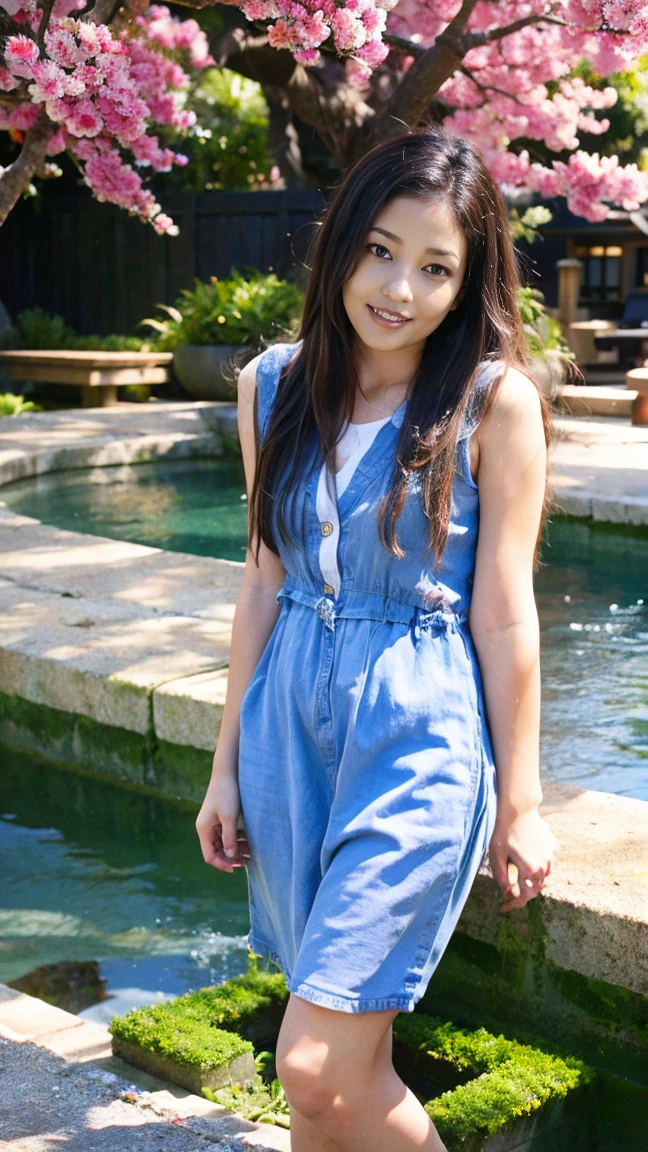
pixel 272 359
pixel 515 398
pixel 261 375
pixel 500 391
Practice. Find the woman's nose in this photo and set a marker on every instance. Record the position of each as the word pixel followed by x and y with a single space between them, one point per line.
pixel 398 288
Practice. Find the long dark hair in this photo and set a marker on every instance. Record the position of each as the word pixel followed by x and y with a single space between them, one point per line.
pixel 317 388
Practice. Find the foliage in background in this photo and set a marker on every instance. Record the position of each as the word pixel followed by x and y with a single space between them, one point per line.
pixel 11 405
pixel 245 309
pixel 228 145
pixel 543 332
pixel 628 131
pixel 525 226
pixel 37 330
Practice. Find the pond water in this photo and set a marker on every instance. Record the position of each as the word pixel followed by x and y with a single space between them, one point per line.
pixel 195 506
pixel 592 597
pixel 92 870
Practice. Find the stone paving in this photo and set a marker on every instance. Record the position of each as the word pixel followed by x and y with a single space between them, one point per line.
pixel 59 1084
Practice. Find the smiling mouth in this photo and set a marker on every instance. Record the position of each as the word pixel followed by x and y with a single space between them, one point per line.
pixel 395 317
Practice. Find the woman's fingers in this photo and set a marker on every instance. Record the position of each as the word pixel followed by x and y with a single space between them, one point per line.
pixel 528 883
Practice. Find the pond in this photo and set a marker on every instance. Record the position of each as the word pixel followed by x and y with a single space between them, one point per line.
pixel 592 594
pixel 92 870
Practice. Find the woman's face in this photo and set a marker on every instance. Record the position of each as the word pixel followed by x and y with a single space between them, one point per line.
pixel 409 275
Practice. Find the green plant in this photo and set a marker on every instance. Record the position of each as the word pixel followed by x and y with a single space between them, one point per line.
pixel 228 146
pixel 525 226
pixel 11 405
pixel 543 332
pixel 246 308
pixel 37 330
pixel 257 1101
pixel 501 1080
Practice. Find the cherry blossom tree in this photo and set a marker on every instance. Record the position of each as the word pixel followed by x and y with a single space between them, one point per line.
pixel 75 84
pixel 499 72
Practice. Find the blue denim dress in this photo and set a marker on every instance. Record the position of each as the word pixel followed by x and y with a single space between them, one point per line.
pixel 366 773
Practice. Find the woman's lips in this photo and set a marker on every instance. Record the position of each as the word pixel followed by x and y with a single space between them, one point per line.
pixel 384 322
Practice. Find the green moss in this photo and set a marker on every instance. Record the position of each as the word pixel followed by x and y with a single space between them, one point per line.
pixel 204 1029
pixel 181 770
pixel 511 1080
pixel 74 740
pixel 189 1040
pixel 604 1024
pixel 496 1099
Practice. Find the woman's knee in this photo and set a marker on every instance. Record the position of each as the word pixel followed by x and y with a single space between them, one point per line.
pixel 325 1059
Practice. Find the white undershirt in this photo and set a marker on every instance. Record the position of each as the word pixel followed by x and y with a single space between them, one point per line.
pixel 351 447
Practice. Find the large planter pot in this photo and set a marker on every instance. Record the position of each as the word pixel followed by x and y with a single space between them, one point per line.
pixel 206 370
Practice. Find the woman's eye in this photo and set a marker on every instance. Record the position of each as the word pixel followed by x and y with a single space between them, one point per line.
pixel 438 270
pixel 377 249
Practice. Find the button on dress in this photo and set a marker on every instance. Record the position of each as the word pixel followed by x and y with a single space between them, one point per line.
pixel 366 773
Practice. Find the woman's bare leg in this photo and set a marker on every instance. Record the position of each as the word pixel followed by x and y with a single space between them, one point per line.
pixel 306 1136
pixel 337 1072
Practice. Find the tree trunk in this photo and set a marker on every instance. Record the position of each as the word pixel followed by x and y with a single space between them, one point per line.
pixel 17 176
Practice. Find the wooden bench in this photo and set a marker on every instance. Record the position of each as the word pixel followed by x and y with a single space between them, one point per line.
pixel 97 374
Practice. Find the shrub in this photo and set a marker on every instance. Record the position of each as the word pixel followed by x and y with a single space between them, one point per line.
pixel 228 146
pixel 11 405
pixel 36 330
pixel 245 309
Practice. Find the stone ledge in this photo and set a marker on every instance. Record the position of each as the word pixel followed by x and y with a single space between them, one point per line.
pixel 188 711
pixel 595 906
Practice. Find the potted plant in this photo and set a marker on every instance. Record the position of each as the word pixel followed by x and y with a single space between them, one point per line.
pixel 552 359
pixel 209 325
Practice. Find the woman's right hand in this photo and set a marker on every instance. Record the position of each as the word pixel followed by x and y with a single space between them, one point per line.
pixel 217 825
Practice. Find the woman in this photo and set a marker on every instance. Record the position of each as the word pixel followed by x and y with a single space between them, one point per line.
pixel 380 732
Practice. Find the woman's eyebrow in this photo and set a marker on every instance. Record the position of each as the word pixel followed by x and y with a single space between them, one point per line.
pixel 434 251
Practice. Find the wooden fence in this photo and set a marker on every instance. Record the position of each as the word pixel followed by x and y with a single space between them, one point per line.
pixel 103 270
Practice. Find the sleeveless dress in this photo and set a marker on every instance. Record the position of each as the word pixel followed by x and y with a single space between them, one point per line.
pixel 366 774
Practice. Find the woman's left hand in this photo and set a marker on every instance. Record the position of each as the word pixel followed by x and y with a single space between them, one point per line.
pixel 526 842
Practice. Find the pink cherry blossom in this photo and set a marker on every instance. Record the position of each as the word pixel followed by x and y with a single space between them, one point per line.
pixel 84 119
pixel 7 81
pixel 49 81
pixel 20 55
pixel 62 47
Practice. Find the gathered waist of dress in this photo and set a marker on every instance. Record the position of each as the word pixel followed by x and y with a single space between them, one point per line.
pixel 359 605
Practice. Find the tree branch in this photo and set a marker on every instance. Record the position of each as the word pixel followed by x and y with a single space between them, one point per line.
pixel 102 13
pixel 487 89
pixel 16 177
pixel 406 46
pixel 47 6
pixel 478 39
pixel 433 67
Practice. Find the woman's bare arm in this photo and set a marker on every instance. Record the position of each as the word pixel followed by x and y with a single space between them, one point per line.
pixel 505 629
pixel 254 618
